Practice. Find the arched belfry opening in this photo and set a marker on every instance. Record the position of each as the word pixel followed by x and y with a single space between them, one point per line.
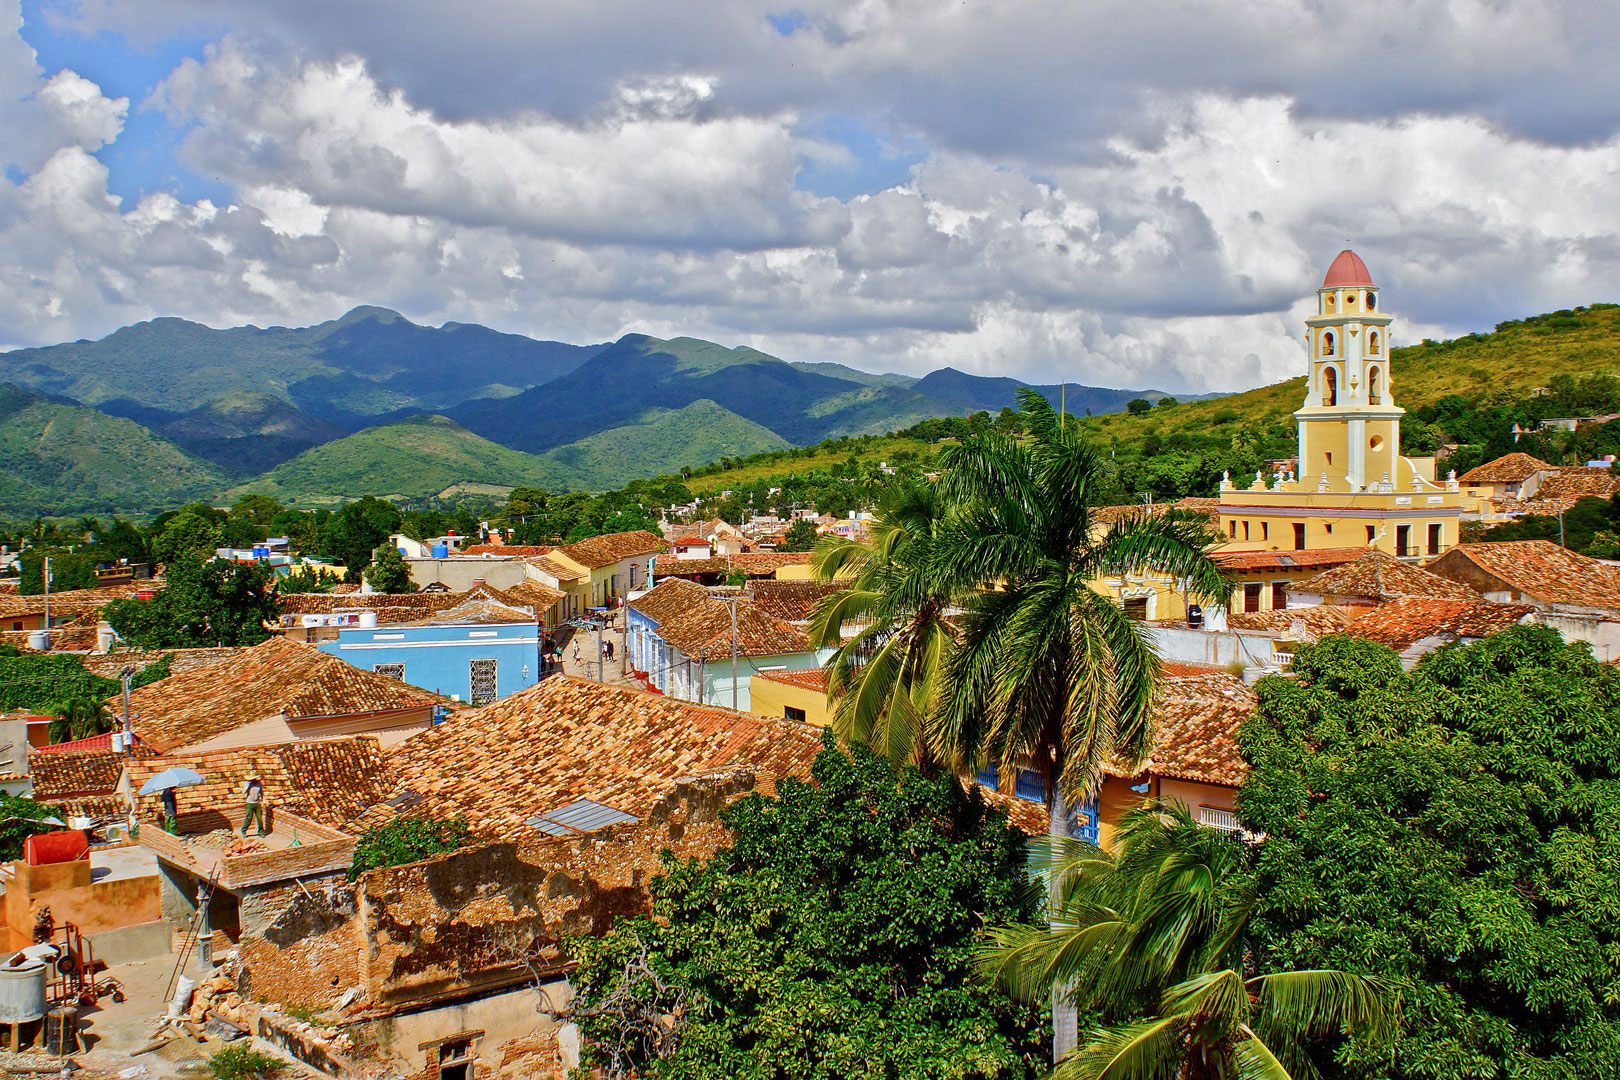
pixel 1374 391
pixel 1330 386
pixel 1327 343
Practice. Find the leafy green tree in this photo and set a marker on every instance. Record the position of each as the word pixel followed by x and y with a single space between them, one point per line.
pixel 406 840
pixel 261 510
pixel 800 536
pixel 1137 406
pixel 1047 671
pixel 389 573
pixel 351 534
pixel 21 818
pixel 69 570
pixel 1152 939
pixel 1166 402
pixel 833 939
pixel 188 537
pixel 215 603
pixel 1455 830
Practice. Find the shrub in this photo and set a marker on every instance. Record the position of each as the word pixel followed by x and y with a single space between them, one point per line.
pixel 407 840
pixel 239 1061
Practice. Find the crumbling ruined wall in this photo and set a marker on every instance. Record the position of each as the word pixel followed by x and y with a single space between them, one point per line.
pixel 301 941
pixel 489 916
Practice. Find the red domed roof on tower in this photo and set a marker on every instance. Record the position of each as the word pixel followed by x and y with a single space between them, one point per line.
pixel 1347 270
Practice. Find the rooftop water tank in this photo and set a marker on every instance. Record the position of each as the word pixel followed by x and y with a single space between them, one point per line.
pixel 22 992
pixel 368 619
pixel 39 640
pixel 441 551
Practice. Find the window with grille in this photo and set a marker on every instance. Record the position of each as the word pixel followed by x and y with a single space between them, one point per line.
pixel 1136 608
pixel 481 674
pixel 393 671
pixel 1251 596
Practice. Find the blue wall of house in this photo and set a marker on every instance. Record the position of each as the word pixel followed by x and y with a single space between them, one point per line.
pixel 439 658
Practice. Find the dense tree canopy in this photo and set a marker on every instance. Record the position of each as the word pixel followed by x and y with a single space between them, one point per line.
pixel 389 573
pixel 1455 829
pixel 833 939
pixel 214 603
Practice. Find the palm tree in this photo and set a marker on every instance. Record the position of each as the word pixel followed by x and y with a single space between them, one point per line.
pixel 884 680
pixel 80 718
pixel 1049 673
pixel 1153 940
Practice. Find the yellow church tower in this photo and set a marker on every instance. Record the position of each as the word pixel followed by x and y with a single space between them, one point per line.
pixel 1351 490
pixel 1350 426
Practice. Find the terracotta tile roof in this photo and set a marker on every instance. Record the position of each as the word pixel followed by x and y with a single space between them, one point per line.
pixel 1183 668
pixel 1577 482
pixel 1512 468
pixel 74 602
pixel 1538 505
pixel 705 632
pixel 1306 622
pixel 536 594
pixel 78 774
pixel 180 660
pixel 555 569
pixel 756 564
pixel 478 608
pixel 330 781
pixel 1287 560
pixel 670 599
pixel 790 600
pixel 516 551
pixel 78 634
pixel 1409 620
pixel 805 678
pixel 1198 717
pixel 401 607
pixel 275 678
pixel 1378 575
pixel 1540 570
pixel 1210 508
pixel 599 551
pixel 567 739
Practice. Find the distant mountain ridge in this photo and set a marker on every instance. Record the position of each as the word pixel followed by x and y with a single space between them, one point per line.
pixel 261 403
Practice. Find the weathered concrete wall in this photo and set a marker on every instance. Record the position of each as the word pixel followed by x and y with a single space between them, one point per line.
pixel 66 888
pixel 504 1027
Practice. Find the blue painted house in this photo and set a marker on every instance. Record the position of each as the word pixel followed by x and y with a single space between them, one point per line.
pixel 478 651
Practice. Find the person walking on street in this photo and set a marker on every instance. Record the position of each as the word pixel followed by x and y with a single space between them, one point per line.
pixel 253 799
pixel 608 645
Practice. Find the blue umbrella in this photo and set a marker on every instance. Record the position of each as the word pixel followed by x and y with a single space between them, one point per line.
pixel 172 778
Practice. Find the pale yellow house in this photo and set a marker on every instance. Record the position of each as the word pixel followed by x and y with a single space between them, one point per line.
pixel 794 695
pixel 600 571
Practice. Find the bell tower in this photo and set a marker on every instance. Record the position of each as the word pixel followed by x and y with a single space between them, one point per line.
pixel 1349 426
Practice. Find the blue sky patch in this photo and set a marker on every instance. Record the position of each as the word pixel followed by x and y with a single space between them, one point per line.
pixel 787 23
pixel 144 157
pixel 879 161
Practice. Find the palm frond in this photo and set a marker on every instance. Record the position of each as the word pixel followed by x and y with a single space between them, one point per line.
pixel 1322 1002
pixel 1148 1050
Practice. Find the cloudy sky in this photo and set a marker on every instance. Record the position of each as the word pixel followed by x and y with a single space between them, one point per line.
pixel 1116 192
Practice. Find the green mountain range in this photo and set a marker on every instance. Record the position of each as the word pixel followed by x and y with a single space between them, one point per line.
pixel 62 458
pixel 257 404
pixel 415 457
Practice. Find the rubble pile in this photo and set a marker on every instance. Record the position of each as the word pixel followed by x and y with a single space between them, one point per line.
pixel 217 998
pixel 246 845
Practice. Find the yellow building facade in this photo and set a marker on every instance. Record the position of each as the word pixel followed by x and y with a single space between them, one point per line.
pixel 1352 488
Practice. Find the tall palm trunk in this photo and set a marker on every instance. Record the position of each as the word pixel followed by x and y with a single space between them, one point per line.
pixel 1065 1017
